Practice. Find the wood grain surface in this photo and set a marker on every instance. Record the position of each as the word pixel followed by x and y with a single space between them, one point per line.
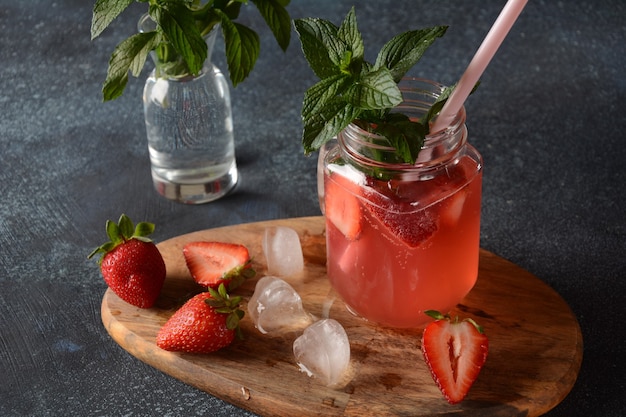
pixel 534 358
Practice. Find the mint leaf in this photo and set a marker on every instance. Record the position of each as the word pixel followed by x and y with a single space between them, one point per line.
pixel 242 48
pixel 437 105
pixel 143 48
pixel 104 12
pixel 321 46
pixel 406 136
pixel 323 92
pixel 331 119
pixel 349 33
pixel 441 100
pixel 179 25
pixel 374 90
pixel 403 51
pixel 231 9
pixel 353 90
pixel 129 55
pixel 277 18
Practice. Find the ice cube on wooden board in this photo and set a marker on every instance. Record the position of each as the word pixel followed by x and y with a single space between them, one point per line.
pixel 283 251
pixel 276 307
pixel 323 351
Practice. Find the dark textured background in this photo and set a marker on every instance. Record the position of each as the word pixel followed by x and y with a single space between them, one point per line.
pixel 548 119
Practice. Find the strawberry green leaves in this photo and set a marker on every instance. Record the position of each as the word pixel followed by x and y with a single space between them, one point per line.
pixel 352 89
pixel 122 231
pixel 223 303
pixel 179 37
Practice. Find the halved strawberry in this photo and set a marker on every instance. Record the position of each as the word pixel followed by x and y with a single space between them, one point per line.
pixel 454 351
pixel 341 205
pixel 213 263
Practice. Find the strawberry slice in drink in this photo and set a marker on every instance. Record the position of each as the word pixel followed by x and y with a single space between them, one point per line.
pixel 341 206
pixel 412 226
pixel 413 210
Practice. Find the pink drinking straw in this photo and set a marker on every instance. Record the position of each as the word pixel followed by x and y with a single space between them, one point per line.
pixel 477 66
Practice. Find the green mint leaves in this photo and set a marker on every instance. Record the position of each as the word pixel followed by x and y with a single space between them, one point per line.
pixel 352 89
pixel 130 55
pixel 178 39
pixel 105 12
pixel 178 26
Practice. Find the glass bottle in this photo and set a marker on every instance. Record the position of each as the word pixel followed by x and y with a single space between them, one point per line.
pixel 402 238
pixel 190 130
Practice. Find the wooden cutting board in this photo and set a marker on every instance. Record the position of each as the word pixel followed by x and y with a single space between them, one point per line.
pixel 534 357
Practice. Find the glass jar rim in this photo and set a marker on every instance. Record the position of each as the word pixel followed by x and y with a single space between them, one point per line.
pixel 415 87
pixel 419 95
pixel 410 86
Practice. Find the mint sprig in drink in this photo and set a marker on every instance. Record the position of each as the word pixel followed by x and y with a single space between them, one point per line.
pixel 402 203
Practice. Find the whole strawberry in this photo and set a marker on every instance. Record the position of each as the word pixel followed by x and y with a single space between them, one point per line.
pixel 206 323
pixel 131 264
pixel 455 352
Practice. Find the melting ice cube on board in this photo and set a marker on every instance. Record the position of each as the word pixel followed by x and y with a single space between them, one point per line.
pixel 283 252
pixel 276 307
pixel 323 351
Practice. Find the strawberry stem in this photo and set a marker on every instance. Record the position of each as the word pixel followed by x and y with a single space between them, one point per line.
pixel 223 303
pixel 436 315
pixel 478 327
pixel 120 232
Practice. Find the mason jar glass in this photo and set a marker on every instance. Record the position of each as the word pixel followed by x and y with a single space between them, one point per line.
pixel 403 238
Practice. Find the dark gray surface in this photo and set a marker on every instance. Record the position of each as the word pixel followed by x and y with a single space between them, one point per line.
pixel 548 120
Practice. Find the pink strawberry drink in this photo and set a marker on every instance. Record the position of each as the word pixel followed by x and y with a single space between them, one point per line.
pixel 402 239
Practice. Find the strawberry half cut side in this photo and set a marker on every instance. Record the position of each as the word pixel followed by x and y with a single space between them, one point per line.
pixel 455 352
pixel 213 263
